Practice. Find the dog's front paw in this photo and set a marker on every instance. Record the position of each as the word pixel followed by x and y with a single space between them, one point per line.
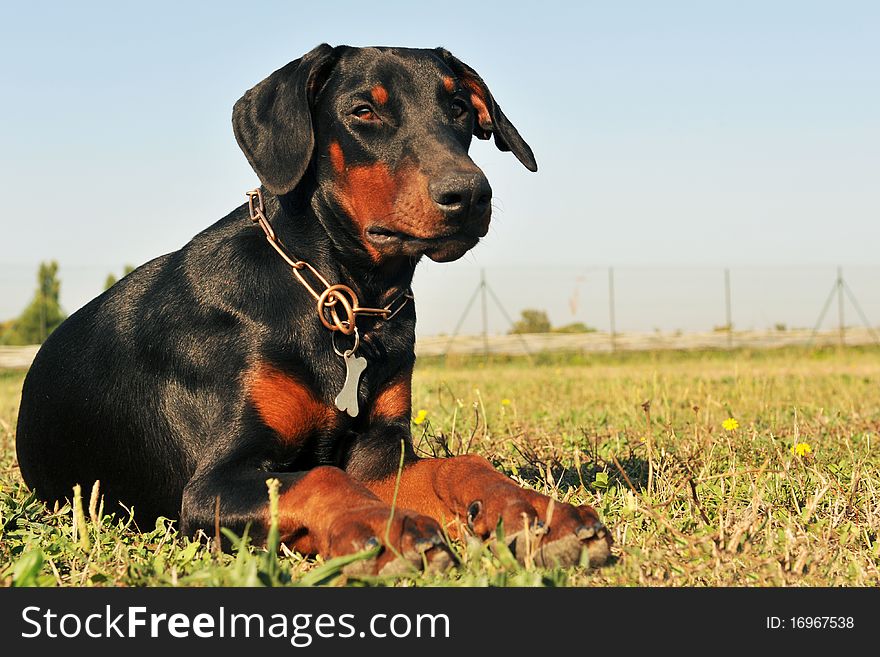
pixel 573 534
pixel 540 530
pixel 410 544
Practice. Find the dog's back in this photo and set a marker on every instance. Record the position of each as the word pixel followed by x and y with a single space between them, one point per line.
pixel 122 392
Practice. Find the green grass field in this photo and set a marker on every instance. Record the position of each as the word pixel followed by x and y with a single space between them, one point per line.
pixel 640 436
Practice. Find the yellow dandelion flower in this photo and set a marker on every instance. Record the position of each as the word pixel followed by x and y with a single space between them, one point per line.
pixel 505 402
pixel 730 424
pixel 420 416
pixel 801 449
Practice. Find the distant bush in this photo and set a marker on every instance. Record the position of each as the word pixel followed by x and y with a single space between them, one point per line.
pixel 574 327
pixel 536 321
pixel 531 321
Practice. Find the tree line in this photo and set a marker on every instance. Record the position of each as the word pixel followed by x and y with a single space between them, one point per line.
pixel 44 313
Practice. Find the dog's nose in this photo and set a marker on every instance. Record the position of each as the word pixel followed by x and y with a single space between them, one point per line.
pixel 461 196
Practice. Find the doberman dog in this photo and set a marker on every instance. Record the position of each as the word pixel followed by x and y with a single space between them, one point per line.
pixel 246 355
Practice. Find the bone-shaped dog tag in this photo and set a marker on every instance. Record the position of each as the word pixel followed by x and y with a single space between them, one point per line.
pixel 347 399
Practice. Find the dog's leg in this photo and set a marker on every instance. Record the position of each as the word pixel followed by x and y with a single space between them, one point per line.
pixel 321 511
pixel 468 491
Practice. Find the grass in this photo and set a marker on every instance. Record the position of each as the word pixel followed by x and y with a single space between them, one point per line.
pixel 638 435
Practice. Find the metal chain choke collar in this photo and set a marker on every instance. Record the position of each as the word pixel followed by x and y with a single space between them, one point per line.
pixel 337 305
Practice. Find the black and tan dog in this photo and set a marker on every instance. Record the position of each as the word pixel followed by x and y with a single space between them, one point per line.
pixel 287 352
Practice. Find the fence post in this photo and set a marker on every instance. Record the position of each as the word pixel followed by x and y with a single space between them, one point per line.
pixel 841 322
pixel 485 313
pixel 611 309
pixel 728 315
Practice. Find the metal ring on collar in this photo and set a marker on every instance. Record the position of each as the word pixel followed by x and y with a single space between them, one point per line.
pixel 330 300
pixel 348 352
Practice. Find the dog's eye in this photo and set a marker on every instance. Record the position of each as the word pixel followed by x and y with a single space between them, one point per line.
pixel 459 108
pixel 364 112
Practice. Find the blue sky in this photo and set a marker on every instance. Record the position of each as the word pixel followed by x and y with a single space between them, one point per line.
pixel 667 133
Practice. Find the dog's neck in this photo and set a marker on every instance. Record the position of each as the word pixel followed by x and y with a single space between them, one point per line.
pixel 305 228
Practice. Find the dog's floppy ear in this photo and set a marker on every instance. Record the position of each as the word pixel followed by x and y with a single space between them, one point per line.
pixel 273 121
pixel 490 119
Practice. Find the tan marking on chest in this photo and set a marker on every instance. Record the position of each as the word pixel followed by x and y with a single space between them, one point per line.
pixel 394 401
pixel 288 406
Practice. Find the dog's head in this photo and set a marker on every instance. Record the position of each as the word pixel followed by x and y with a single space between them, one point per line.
pixel 383 133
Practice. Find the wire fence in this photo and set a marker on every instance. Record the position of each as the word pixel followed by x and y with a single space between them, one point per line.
pixel 465 308
pixel 727 306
